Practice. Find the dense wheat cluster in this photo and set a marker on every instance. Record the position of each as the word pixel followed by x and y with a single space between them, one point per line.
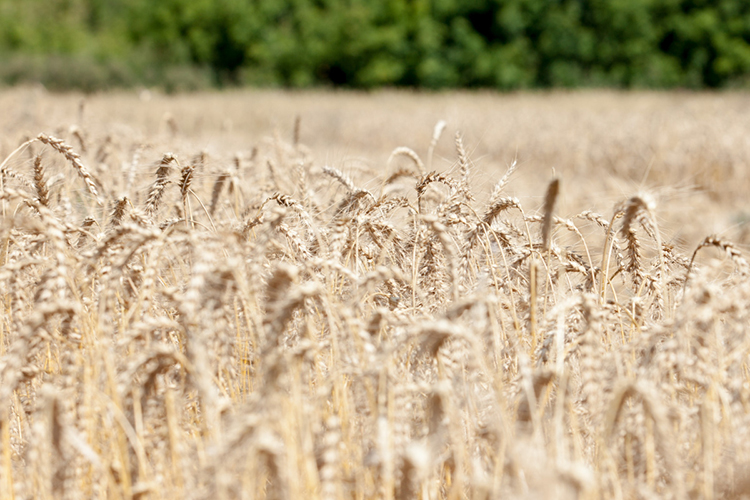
pixel 266 325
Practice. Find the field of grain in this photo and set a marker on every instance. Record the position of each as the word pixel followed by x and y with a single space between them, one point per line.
pixel 271 295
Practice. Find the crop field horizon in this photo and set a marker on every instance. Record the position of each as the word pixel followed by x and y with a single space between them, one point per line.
pixel 264 294
pixel 688 149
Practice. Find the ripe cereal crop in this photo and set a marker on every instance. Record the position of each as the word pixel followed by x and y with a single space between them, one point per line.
pixel 265 295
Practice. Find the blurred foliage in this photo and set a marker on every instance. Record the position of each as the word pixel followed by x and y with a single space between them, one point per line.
pixel 503 44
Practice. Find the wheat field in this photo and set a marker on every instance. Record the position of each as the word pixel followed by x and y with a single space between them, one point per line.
pixel 271 295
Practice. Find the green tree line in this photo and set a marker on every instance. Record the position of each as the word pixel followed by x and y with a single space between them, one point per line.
pixel 501 44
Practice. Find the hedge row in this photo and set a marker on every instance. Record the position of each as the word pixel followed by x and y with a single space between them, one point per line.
pixel 504 44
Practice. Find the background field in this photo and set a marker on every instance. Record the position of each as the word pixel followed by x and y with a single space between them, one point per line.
pixel 264 294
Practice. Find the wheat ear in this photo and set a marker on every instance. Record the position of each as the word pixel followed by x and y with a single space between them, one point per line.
pixel 42 192
pixel 549 205
pixel 75 160
pixel 409 153
pixel 726 246
pixel 185 183
pixel 162 179
pixel 464 168
pixel 436 133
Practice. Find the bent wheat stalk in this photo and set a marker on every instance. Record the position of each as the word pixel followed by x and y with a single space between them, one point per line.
pixel 65 150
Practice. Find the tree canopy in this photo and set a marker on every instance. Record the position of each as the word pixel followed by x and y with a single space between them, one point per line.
pixel 500 44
